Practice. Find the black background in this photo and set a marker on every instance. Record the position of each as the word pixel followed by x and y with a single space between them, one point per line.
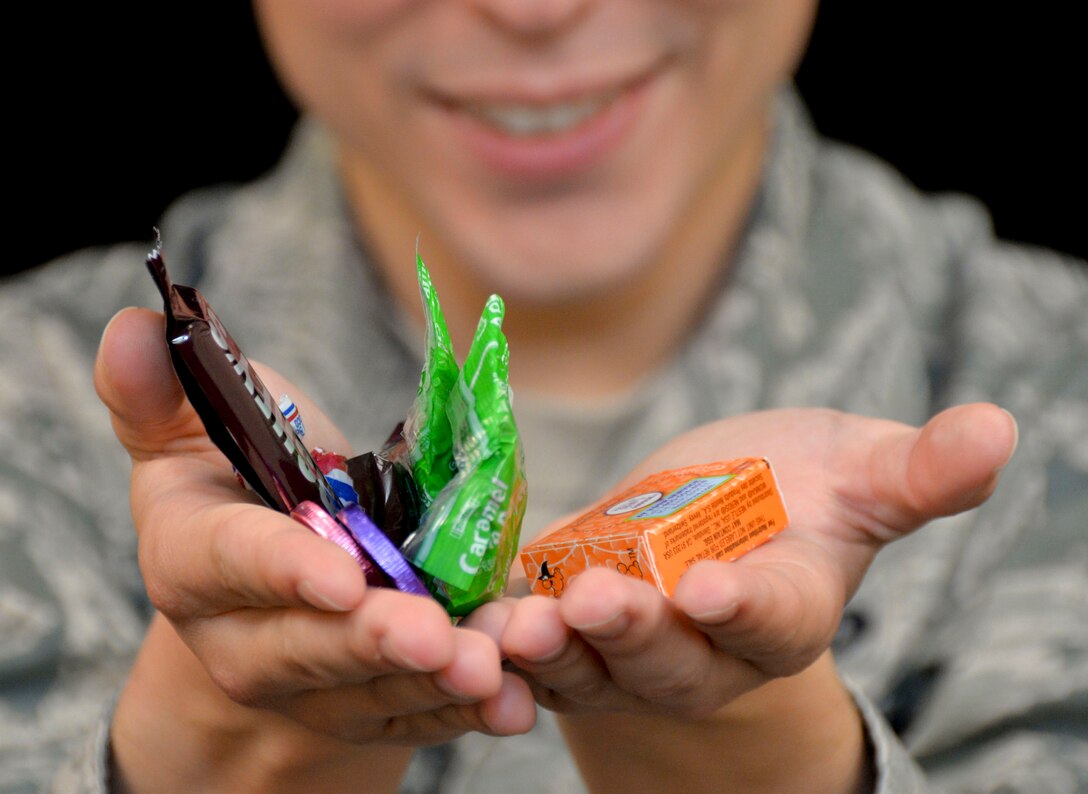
pixel 113 114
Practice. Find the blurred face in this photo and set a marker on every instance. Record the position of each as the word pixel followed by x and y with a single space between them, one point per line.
pixel 554 149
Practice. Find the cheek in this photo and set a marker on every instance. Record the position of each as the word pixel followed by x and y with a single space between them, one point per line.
pixel 317 41
pixel 337 17
pixel 336 58
pixel 747 51
pixel 751 47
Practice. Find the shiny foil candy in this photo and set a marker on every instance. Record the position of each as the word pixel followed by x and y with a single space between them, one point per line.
pixel 312 516
pixel 237 410
pixel 437 511
pixel 381 550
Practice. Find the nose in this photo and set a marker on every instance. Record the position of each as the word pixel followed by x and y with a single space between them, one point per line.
pixel 533 18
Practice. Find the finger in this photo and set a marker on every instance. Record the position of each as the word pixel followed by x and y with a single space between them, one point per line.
pixel 563 671
pixel 365 710
pixel 394 670
pixel 650 649
pixel 510 711
pixel 951 464
pixel 258 654
pixel 356 663
pixel 202 553
pixel 777 610
pixel 490 619
pixel 179 477
pixel 135 379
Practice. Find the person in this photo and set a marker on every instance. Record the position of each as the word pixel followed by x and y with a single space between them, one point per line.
pixel 690 274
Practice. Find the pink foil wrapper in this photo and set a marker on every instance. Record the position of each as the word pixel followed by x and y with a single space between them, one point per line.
pixel 381 550
pixel 313 516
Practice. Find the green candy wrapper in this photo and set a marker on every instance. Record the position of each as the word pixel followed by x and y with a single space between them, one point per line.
pixel 469 534
pixel 427 428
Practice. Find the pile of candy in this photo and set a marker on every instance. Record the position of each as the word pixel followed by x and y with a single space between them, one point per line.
pixel 436 511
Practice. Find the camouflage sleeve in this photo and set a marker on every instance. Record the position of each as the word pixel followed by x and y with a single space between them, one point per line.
pixel 896 770
pixel 72 608
pixel 1007 709
pixel 984 616
pixel 87 769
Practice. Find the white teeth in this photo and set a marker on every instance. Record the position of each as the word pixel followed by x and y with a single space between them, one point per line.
pixel 526 120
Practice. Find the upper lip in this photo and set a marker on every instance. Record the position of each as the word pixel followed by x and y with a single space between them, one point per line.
pixel 539 88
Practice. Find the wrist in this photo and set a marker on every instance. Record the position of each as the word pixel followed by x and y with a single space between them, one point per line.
pixel 798 733
pixel 175 730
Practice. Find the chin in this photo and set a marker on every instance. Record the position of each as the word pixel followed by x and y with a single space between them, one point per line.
pixel 562 253
pixel 554 272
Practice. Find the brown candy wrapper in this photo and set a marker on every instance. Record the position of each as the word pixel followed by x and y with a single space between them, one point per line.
pixel 386 489
pixel 239 414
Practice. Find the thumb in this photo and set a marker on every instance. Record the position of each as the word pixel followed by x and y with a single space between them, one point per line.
pixel 135 379
pixel 950 465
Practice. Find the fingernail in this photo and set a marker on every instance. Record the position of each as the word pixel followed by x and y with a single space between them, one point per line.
pixel 448 689
pixel 315 598
pixel 548 656
pixel 714 616
pixel 1015 439
pixel 510 712
pixel 614 625
pixel 101 359
pixel 391 654
pixel 115 316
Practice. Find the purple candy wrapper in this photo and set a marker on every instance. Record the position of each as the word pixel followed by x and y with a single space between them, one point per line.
pixel 381 550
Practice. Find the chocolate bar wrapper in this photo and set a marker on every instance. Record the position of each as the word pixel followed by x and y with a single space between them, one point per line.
pixel 238 412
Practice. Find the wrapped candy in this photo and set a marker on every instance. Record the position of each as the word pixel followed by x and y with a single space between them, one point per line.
pixel 469 534
pixel 387 488
pixel 428 435
pixel 234 404
pixel 448 491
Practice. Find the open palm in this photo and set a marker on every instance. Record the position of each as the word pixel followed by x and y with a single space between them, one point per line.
pixel 851 484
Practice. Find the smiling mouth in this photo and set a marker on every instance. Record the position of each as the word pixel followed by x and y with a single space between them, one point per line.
pixel 525 120
pixel 529 118
pixel 519 130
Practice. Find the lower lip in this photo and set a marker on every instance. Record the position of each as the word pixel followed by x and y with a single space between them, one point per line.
pixel 557 155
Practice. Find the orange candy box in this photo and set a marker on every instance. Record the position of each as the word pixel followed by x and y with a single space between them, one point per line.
pixel 662 526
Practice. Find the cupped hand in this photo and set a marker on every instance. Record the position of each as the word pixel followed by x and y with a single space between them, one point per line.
pixel 851 484
pixel 277 617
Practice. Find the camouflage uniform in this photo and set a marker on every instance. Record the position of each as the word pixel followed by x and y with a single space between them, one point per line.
pixel 967 646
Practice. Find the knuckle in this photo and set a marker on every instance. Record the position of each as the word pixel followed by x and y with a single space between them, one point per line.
pixel 396 730
pixel 417 730
pixel 221 553
pixel 589 694
pixel 166 599
pixel 457 719
pixel 296 662
pixel 681 686
pixel 352 731
pixel 235 686
pixel 164 596
pixel 575 691
pixel 299 670
pixel 776 644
